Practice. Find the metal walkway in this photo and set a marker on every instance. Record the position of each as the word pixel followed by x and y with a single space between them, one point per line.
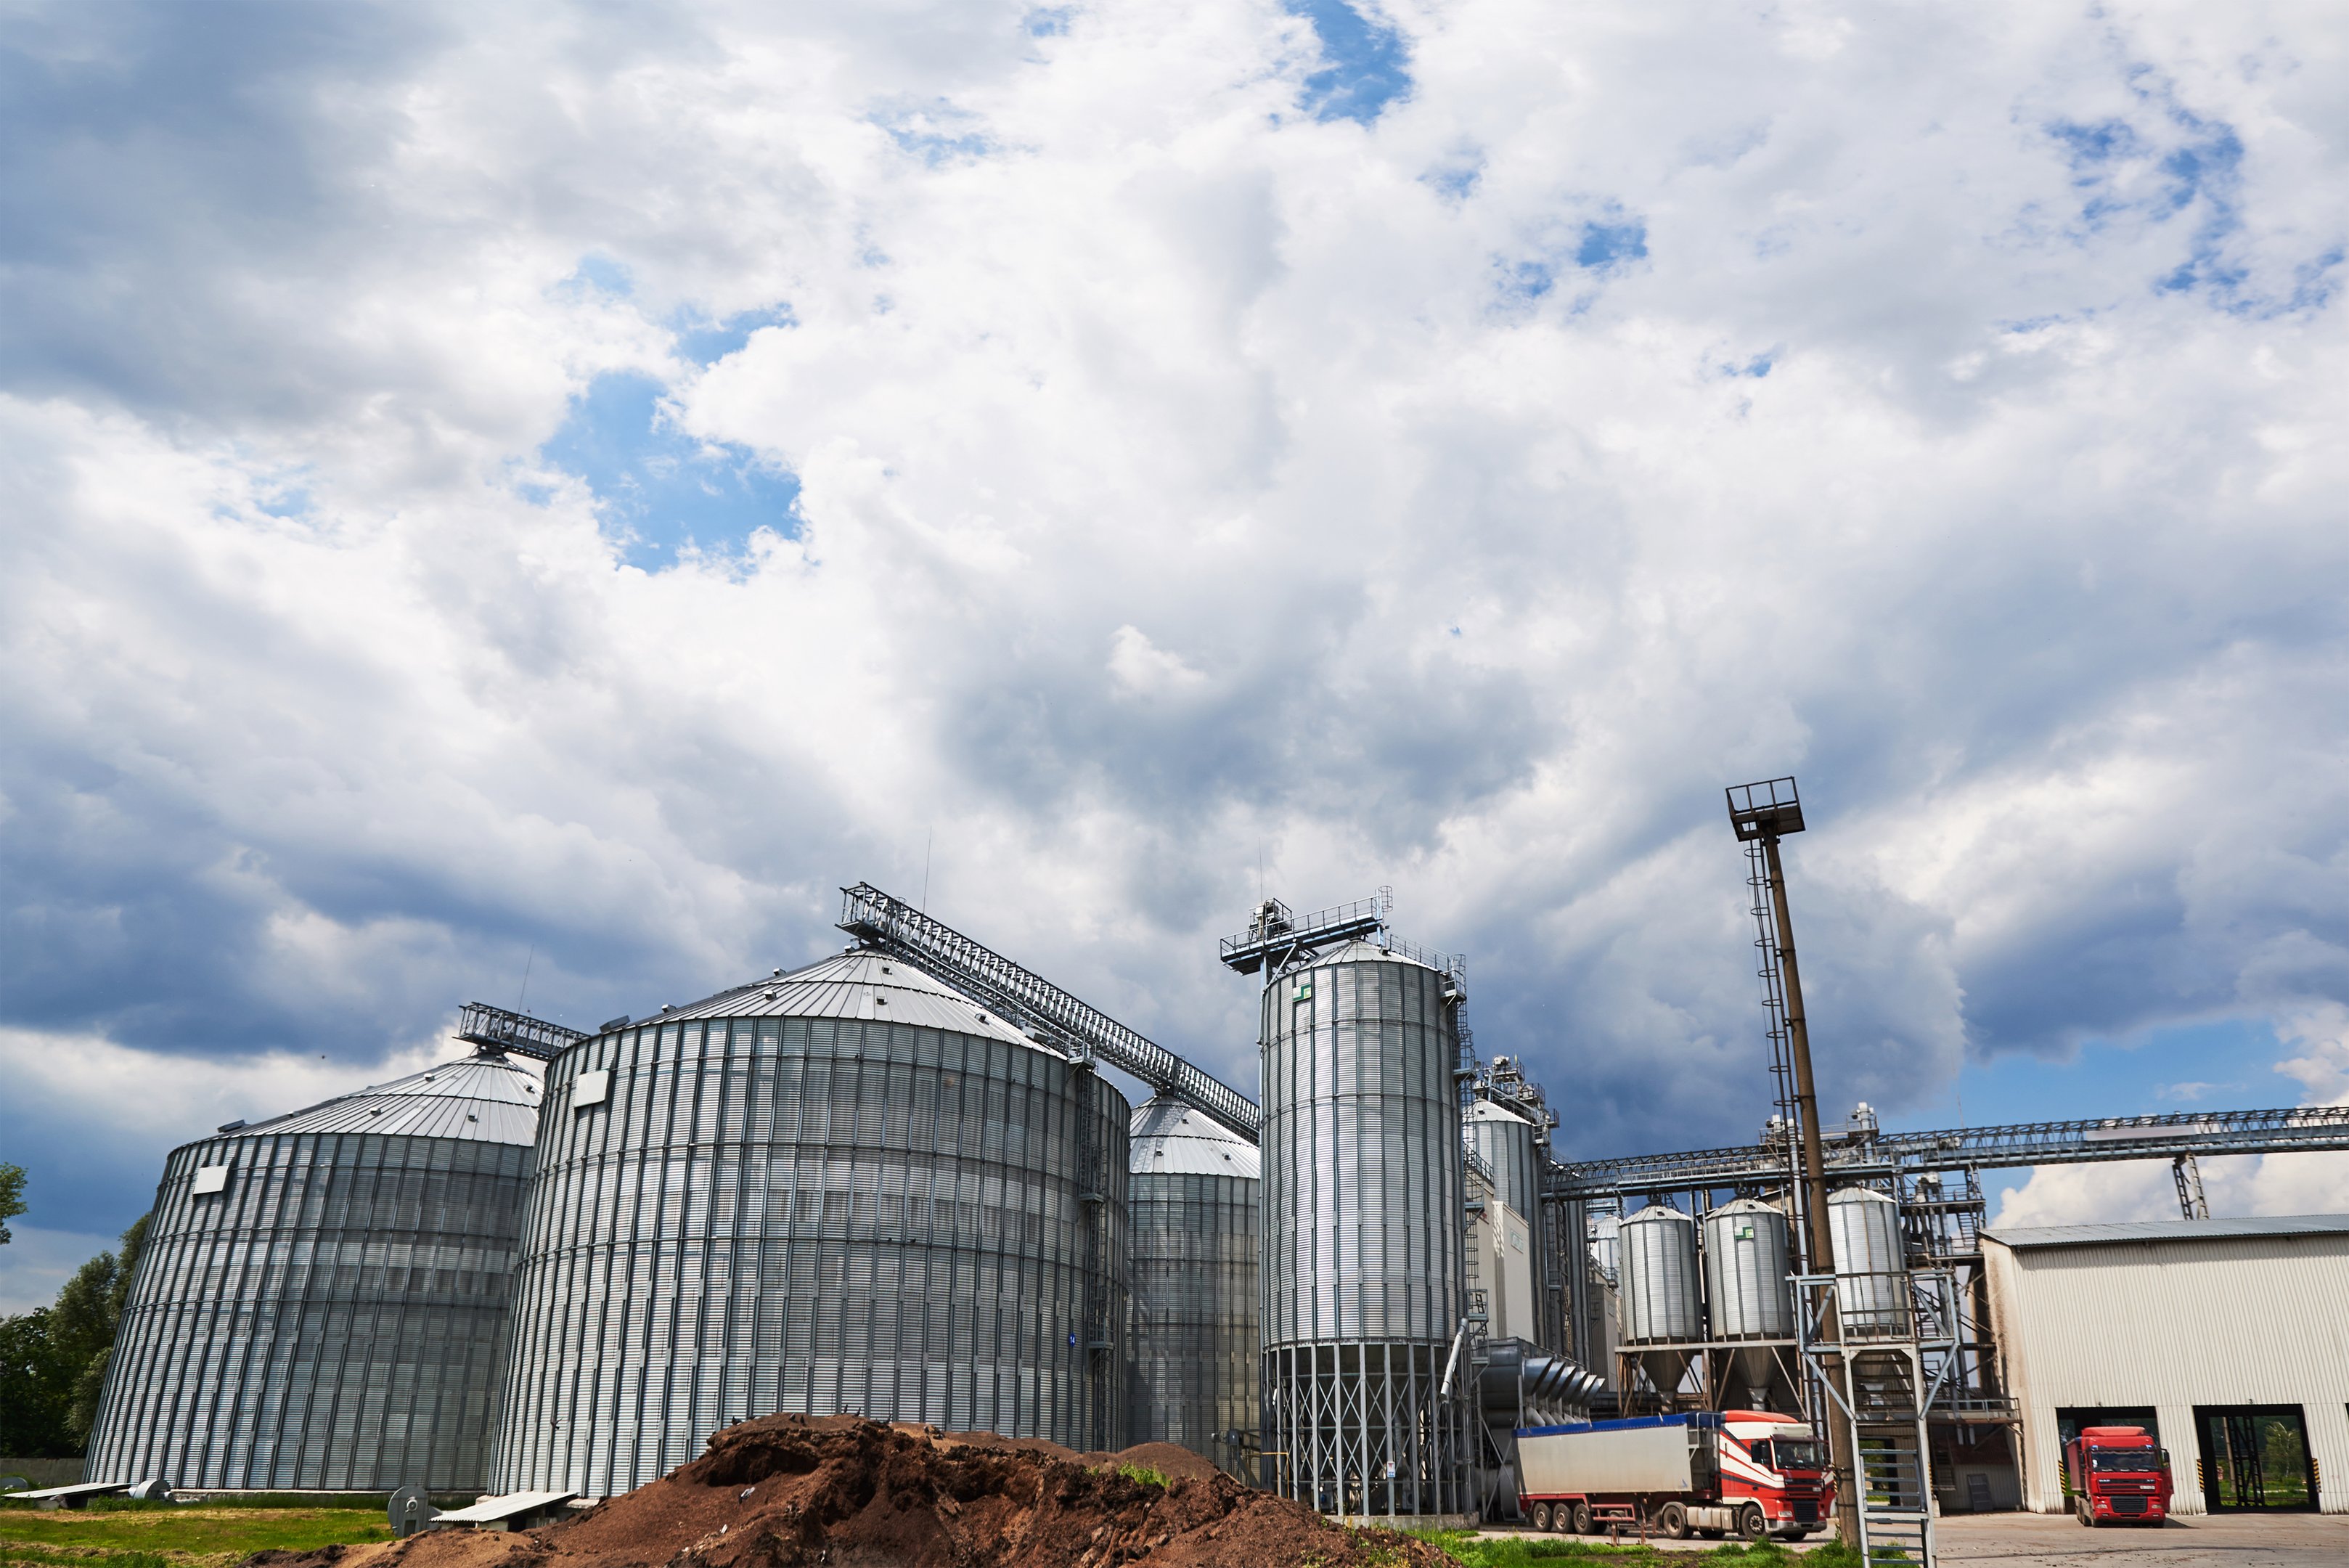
pixel 2289 1129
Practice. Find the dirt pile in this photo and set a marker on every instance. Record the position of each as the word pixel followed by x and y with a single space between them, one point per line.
pixel 787 1490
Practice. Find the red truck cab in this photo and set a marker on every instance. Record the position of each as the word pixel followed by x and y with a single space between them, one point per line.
pixel 2117 1475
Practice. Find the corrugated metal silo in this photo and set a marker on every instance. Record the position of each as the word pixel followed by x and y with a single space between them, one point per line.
pixel 1745 1271
pixel 1509 1145
pixel 1364 1250
pixel 1870 1259
pixel 323 1297
pixel 1655 1252
pixel 1751 1297
pixel 849 1189
pixel 1194 1240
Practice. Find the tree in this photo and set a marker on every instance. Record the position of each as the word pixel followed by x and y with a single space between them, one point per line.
pixel 83 1415
pixel 52 1359
pixel 12 1199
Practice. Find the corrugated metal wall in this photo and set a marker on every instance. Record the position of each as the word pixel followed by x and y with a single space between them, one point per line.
pixel 1196 1346
pixel 2175 1325
pixel 803 1214
pixel 332 1319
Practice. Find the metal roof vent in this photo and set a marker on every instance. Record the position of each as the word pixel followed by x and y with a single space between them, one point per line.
pixel 230 1127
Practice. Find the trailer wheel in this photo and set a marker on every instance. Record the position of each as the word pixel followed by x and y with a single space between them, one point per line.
pixel 1753 1524
pixel 1671 1522
pixel 1582 1519
pixel 1541 1516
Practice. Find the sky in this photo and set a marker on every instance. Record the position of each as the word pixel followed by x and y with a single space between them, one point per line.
pixel 524 502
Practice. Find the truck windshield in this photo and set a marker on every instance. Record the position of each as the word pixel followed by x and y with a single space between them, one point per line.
pixel 2132 1462
pixel 1790 1454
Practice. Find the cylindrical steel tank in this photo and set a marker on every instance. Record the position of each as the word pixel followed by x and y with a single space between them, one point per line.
pixel 1655 1252
pixel 1194 1240
pixel 849 1189
pixel 1871 1262
pixel 1365 1255
pixel 1511 1144
pixel 1606 1245
pixel 323 1297
pixel 1745 1271
pixel 1505 1139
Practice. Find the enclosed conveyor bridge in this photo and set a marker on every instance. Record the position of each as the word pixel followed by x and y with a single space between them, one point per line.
pixel 2290 1130
pixel 895 926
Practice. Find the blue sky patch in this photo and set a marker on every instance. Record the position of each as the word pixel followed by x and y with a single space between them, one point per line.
pixel 1607 247
pixel 936 132
pixel 2182 165
pixel 658 489
pixel 1363 62
pixel 1048 21
pixel 706 342
pixel 601 274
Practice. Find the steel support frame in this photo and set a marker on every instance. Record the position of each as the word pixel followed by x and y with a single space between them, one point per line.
pixel 1363 1431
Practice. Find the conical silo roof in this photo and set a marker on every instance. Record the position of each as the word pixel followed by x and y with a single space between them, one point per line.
pixel 482 1098
pixel 1171 1139
pixel 854 984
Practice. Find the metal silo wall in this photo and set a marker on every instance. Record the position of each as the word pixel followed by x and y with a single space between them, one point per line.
pixel 1365 1255
pixel 815 1215
pixel 1196 1338
pixel 1746 1272
pixel 1656 1257
pixel 332 1321
pixel 1508 1146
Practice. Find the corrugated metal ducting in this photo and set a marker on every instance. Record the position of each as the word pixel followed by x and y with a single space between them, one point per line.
pixel 1196 1237
pixel 323 1297
pixel 1365 1249
pixel 847 1188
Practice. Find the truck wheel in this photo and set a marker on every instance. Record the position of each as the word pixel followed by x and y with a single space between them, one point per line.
pixel 2080 1511
pixel 1582 1519
pixel 1541 1516
pixel 1671 1522
pixel 1753 1524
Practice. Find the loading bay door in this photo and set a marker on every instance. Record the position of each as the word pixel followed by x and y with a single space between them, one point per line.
pixel 2255 1457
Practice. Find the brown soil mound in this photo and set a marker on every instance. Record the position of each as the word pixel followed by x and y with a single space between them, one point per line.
pixel 786 1490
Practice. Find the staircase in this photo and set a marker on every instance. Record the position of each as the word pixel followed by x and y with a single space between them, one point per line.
pixel 1895 1492
pixel 1879 1385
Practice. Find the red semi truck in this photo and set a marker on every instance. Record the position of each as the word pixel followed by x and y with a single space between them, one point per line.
pixel 2118 1474
pixel 1747 1472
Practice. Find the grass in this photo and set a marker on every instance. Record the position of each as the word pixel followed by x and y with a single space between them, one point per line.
pixel 163 1536
pixel 1517 1551
pixel 1146 1475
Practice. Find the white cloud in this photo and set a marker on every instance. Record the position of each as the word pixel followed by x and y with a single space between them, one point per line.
pixel 1936 404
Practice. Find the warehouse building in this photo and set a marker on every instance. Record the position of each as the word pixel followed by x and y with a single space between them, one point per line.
pixel 2228 1339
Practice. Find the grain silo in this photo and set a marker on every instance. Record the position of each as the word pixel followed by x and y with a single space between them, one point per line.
pixel 1751 1300
pixel 1364 1253
pixel 1870 1262
pixel 1663 1313
pixel 847 1188
pixel 1504 1135
pixel 322 1300
pixel 1195 1236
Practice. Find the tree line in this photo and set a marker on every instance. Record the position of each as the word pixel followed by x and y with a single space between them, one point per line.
pixel 52 1359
